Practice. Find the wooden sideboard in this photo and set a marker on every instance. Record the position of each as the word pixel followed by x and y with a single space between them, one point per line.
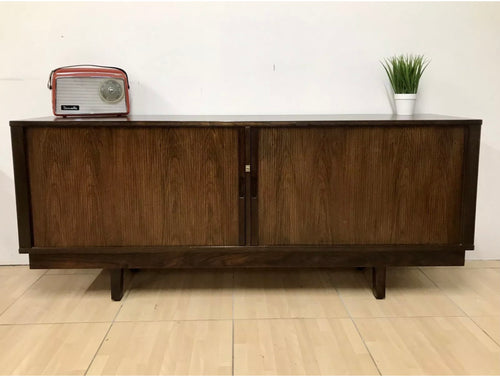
pixel 246 191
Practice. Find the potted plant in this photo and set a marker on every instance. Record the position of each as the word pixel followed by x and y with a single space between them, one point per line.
pixel 404 72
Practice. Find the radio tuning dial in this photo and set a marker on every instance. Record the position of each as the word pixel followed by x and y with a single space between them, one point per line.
pixel 111 91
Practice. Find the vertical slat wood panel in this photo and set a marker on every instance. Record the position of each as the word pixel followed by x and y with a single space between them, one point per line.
pixel 254 178
pixel 118 186
pixel 21 177
pixel 471 165
pixel 363 185
pixel 242 212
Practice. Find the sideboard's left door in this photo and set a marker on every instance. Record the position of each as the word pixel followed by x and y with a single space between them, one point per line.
pixel 141 186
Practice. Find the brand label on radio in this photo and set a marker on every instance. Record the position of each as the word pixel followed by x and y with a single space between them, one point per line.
pixel 70 107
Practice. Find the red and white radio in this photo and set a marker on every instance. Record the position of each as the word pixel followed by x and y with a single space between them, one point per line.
pixel 83 90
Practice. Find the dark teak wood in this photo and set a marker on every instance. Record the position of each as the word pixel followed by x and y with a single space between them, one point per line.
pixel 283 257
pixel 469 184
pixel 242 176
pixel 363 185
pixel 21 178
pixel 134 187
pixel 378 281
pixel 248 207
pixel 253 196
pixel 246 191
pixel 116 283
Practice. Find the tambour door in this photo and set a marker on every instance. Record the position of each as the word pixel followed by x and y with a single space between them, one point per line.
pixel 359 185
pixel 138 186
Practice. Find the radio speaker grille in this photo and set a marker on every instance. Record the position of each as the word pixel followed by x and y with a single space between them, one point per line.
pixel 84 95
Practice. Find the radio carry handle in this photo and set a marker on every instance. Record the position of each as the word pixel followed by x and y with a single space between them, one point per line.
pixel 49 82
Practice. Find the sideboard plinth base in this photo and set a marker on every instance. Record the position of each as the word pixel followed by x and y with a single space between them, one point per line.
pixel 271 258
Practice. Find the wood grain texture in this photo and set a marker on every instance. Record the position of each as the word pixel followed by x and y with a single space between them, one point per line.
pixel 64 299
pixel 490 325
pixel 49 349
pixel 429 346
pixel 165 348
pixel 319 346
pixel 351 248
pixel 159 295
pixel 409 294
pixel 248 187
pixel 134 187
pixel 14 281
pixel 332 120
pixel 246 259
pixel 242 160
pixel 253 199
pixel 21 178
pixel 475 291
pixel 361 185
pixel 282 294
pixel 469 191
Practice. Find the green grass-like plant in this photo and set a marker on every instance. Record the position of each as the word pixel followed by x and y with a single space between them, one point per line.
pixel 404 72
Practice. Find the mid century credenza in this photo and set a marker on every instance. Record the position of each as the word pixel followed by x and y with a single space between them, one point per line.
pixel 246 192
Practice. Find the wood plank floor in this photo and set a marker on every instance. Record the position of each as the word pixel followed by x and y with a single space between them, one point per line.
pixel 434 321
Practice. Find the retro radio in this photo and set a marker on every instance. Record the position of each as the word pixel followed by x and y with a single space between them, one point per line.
pixel 81 90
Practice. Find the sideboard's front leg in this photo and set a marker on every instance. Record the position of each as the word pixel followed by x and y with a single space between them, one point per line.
pixel 116 284
pixel 378 281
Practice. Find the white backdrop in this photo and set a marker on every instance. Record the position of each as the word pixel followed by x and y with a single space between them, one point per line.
pixel 258 58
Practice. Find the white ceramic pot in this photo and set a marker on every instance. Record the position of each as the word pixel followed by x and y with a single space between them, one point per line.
pixel 405 103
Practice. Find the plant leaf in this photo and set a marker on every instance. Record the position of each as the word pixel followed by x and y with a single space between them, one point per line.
pixel 404 72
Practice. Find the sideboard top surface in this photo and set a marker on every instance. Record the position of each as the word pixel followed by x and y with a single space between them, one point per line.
pixel 246 120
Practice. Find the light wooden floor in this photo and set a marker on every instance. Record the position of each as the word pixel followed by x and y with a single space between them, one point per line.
pixel 434 321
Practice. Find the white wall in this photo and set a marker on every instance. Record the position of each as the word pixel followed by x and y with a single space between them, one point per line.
pixel 258 58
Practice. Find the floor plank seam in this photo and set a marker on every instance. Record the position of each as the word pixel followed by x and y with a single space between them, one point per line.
pixel 102 342
pixel 359 333
pixel 484 331
pixel 24 292
pixel 491 342
pixel 404 317
pixel 172 320
pixel 443 292
pixel 56 323
pixel 337 317
pixel 295 318
pixel 127 293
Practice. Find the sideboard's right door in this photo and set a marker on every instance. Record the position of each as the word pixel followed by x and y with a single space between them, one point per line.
pixel 359 185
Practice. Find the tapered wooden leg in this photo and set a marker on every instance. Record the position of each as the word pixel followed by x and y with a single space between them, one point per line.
pixel 116 284
pixel 378 281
